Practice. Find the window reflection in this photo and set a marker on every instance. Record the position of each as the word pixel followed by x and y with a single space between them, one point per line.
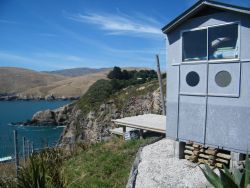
pixel 195 45
pixel 223 42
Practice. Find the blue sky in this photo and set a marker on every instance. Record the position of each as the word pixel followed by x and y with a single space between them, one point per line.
pixel 58 34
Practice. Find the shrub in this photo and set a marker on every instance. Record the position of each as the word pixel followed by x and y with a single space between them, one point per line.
pixel 42 170
pixel 227 179
pixel 118 74
pixel 101 90
pixel 97 94
pixel 8 182
pixel 34 175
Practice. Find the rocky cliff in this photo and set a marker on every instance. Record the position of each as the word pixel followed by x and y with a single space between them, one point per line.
pixel 94 126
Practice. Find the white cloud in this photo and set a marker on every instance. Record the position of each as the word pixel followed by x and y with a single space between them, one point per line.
pixel 118 24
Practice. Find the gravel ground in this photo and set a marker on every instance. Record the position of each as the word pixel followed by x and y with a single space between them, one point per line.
pixel 158 168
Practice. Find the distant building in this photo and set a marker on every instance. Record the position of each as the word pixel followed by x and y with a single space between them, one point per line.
pixel 208 76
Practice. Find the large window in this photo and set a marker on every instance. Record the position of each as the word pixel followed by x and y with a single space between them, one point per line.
pixel 195 45
pixel 222 43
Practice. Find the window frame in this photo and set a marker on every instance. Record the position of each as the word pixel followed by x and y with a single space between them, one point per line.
pixel 207 57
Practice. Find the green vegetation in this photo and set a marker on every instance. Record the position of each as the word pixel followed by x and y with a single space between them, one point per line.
pixel 105 164
pixel 8 182
pixel 124 95
pixel 102 165
pixel 237 179
pixel 42 170
pixel 118 74
pixel 98 93
pixel 121 79
pixel 101 91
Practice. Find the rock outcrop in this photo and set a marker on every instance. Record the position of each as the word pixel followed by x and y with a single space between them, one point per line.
pixel 44 117
pixel 58 117
pixel 95 126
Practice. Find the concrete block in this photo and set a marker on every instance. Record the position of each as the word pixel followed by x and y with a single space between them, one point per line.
pixel 179 148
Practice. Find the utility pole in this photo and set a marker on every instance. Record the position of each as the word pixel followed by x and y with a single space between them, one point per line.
pixel 160 83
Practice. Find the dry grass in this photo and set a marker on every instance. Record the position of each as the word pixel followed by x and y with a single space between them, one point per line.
pixel 16 79
pixel 75 86
pixel 7 169
pixel 32 83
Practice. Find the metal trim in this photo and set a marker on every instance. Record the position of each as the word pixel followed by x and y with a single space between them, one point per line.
pixel 186 14
pixel 192 94
pixel 207 58
pixel 223 95
pixel 205 122
pixel 178 111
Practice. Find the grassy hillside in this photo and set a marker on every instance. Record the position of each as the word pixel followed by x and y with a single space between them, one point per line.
pixel 34 84
pixel 14 80
pixel 102 91
pixel 74 86
pixel 75 72
pixel 102 165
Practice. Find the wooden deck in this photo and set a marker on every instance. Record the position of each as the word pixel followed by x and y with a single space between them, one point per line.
pixel 119 130
pixel 148 122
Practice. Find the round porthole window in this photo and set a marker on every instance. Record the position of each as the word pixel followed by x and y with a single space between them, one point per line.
pixel 192 78
pixel 223 78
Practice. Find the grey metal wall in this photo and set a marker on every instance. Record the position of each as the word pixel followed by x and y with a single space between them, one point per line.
pixel 209 114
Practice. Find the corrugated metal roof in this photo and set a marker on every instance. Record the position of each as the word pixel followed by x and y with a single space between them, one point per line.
pixel 197 7
pixel 150 122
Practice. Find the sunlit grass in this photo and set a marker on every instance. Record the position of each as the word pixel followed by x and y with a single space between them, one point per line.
pixel 102 165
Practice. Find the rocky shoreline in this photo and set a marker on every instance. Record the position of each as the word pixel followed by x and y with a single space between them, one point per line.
pixel 14 97
pixel 95 125
pixel 57 117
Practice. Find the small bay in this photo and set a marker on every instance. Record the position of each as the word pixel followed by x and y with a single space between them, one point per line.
pixel 15 111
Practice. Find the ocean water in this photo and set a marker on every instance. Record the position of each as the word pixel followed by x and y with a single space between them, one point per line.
pixel 14 111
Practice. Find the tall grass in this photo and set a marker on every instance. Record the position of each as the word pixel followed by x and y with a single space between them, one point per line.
pixel 102 165
pixel 42 170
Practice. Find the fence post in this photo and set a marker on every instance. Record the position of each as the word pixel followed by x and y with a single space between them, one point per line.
pixel 24 149
pixel 28 145
pixel 16 152
pixel 46 143
pixel 161 85
pixel 32 147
